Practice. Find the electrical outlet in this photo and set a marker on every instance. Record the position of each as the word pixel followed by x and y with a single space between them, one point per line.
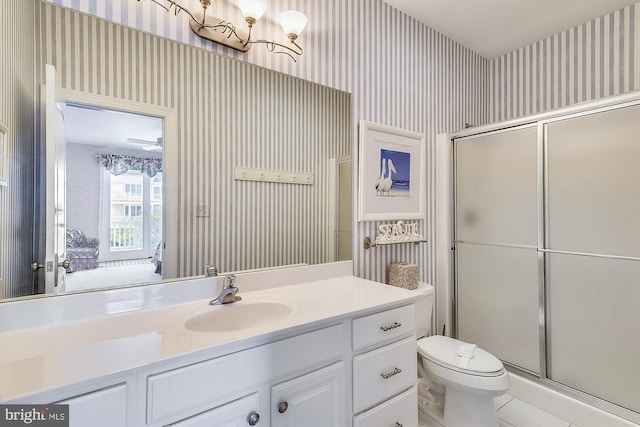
pixel 202 210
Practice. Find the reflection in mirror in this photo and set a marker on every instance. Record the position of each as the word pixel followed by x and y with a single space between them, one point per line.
pixel 114 198
pixel 226 115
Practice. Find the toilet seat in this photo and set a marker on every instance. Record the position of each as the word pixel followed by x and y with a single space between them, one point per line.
pixel 442 350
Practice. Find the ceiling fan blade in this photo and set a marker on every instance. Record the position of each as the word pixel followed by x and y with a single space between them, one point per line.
pixel 153 147
pixel 142 141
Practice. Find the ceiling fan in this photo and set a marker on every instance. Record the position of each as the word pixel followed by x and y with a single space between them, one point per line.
pixel 146 144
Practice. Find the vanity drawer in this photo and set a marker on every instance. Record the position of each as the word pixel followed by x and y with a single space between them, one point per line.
pixel 188 390
pixel 382 373
pixel 402 410
pixel 384 326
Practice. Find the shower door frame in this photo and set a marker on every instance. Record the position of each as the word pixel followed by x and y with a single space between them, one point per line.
pixel 447 179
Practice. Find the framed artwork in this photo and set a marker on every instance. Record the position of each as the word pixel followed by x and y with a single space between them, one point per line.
pixel 3 154
pixel 392 173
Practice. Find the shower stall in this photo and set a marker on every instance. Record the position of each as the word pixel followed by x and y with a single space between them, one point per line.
pixel 545 248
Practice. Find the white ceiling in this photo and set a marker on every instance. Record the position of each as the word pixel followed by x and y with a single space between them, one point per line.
pixel 109 128
pixel 495 27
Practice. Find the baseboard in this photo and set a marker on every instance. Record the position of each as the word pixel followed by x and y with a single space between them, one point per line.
pixel 563 406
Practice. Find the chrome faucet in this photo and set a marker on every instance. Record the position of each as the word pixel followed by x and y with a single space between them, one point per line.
pixel 229 291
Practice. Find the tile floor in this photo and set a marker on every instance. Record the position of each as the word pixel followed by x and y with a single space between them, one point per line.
pixel 515 413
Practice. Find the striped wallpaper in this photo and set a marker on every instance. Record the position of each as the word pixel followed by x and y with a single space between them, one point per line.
pixel 399 71
pixel 594 60
pixel 230 113
pixel 17 114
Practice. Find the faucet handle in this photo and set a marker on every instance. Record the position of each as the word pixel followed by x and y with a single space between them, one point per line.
pixel 229 281
pixel 210 270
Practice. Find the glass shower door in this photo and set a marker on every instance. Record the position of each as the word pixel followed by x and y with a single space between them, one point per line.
pixel 593 254
pixel 496 238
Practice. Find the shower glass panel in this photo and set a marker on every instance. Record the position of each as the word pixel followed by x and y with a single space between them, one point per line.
pixel 547 251
pixel 498 302
pixel 594 183
pixel 496 237
pixel 593 319
pixel 593 207
pixel 496 191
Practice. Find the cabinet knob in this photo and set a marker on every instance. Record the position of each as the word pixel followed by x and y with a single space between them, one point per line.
pixel 253 418
pixel 282 407
pixel 398 424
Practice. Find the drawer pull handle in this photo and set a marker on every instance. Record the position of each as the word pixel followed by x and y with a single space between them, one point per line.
pixel 396 371
pixel 282 407
pixel 390 327
pixel 398 424
pixel 253 418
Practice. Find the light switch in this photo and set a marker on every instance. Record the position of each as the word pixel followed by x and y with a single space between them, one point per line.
pixel 202 210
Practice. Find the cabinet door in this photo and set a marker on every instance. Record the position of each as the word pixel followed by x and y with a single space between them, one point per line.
pixel 316 399
pixel 104 408
pixel 239 413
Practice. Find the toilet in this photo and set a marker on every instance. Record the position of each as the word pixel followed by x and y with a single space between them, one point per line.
pixel 457 381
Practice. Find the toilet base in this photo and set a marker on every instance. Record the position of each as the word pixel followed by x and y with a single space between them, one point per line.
pixel 464 410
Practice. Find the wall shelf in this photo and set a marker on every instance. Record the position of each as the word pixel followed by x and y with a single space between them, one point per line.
pixel 395 234
pixel 371 244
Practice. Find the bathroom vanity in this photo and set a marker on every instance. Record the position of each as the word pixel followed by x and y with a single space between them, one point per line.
pixel 338 351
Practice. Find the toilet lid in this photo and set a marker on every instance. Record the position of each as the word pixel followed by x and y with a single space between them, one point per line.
pixel 444 351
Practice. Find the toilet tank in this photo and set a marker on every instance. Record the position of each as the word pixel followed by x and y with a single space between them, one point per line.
pixel 424 308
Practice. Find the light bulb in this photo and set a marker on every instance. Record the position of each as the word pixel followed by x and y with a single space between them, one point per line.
pixel 293 22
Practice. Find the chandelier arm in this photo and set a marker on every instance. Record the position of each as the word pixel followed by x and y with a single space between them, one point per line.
pixel 293 42
pixel 246 42
pixel 159 4
pixel 178 9
pixel 271 45
pixel 226 26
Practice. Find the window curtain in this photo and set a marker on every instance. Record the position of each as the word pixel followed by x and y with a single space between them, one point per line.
pixel 118 164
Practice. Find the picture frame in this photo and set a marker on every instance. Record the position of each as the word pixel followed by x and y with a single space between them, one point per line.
pixel 391 173
pixel 4 148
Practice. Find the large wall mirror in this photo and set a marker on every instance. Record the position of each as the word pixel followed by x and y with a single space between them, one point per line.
pixel 176 158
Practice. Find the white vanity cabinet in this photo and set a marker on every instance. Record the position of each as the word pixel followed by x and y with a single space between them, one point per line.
pixel 306 371
pixel 384 369
pixel 346 356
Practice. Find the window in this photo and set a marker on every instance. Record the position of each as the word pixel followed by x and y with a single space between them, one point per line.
pixel 133 188
pixel 135 220
pixel 132 210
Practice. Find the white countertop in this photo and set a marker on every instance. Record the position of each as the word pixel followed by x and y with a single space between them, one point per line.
pixel 44 358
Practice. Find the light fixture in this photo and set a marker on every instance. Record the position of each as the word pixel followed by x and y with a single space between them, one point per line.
pixel 224 32
pixel 252 10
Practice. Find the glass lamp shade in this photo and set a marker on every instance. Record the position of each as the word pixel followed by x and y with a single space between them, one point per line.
pixel 252 8
pixel 292 21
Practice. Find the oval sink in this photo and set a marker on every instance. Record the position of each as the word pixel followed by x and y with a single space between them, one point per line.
pixel 238 315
